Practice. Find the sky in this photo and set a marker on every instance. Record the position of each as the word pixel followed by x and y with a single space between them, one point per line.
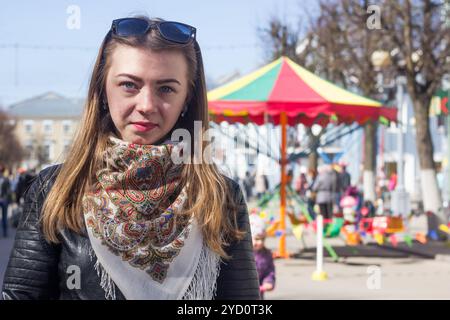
pixel 50 56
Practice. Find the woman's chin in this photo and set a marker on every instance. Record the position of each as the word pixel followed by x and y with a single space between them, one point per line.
pixel 140 139
pixel 154 137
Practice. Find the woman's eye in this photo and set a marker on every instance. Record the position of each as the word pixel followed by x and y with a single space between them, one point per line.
pixel 166 89
pixel 128 85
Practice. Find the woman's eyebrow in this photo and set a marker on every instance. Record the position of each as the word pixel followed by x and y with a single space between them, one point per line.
pixel 135 78
pixel 168 80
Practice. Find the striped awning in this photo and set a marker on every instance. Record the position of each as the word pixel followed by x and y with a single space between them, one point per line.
pixel 284 86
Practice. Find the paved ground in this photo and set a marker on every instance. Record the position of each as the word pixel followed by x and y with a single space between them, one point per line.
pixel 354 278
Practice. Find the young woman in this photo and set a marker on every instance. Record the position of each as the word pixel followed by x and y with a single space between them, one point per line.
pixel 120 219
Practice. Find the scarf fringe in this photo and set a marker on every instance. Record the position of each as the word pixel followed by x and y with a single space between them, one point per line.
pixel 204 283
pixel 106 282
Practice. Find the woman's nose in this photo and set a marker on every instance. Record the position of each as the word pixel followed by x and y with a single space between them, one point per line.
pixel 147 102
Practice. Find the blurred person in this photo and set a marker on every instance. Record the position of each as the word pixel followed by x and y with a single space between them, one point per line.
pixel 325 187
pixel 24 182
pixel 345 177
pixel 5 199
pixel 392 182
pixel 249 182
pixel 311 194
pixel 261 184
pixel 137 224
pixel 345 181
pixel 336 170
pixel 301 183
pixel 289 177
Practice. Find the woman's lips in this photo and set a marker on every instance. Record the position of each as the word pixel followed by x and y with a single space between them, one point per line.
pixel 144 126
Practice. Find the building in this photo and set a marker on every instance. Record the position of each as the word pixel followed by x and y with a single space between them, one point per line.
pixel 45 126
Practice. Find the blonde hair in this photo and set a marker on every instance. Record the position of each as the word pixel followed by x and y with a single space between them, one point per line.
pixel 210 194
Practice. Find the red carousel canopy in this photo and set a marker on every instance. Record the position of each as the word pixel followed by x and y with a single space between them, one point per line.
pixel 284 86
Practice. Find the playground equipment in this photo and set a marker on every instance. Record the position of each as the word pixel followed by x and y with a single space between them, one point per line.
pixel 363 226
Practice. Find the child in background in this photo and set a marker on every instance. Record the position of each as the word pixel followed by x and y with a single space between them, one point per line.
pixel 263 255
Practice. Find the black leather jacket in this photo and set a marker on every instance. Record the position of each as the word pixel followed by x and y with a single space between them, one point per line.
pixel 39 270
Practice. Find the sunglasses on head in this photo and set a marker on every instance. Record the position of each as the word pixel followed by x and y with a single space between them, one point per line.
pixel 169 30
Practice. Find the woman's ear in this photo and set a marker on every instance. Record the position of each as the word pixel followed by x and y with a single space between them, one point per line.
pixel 104 103
pixel 183 112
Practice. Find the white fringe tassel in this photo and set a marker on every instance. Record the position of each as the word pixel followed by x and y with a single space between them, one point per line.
pixel 204 283
pixel 202 287
pixel 106 282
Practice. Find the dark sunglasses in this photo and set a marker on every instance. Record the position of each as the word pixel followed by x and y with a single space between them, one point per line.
pixel 169 30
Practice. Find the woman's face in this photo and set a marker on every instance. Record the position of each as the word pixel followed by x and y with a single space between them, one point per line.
pixel 146 92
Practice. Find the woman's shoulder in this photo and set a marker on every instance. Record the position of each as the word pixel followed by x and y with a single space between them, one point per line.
pixel 34 198
pixel 43 181
pixel 234 188
pixel 49 173
pixel 238 204
pixel 232 184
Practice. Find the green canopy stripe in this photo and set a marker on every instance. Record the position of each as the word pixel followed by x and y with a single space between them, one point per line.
pixel 257 90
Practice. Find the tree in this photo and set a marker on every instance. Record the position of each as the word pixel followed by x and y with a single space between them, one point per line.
pixel 11 152
pixel 279 39
pixel 419 41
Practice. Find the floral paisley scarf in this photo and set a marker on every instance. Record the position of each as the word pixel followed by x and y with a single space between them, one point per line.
pixel 141 242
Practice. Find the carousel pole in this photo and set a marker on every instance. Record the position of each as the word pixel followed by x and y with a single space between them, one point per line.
pixel 282 253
